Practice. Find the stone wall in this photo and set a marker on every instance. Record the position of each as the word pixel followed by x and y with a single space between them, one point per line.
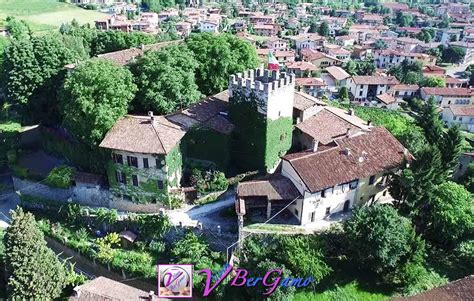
pixel 84 195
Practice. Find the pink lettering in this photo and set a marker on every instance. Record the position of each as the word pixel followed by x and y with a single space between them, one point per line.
pixel 239 276
pixel 274 285
pixel 208 288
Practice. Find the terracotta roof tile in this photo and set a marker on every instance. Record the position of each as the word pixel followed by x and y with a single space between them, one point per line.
pixel 139 134
pixel 375 80
pixel 305 101
pixel 274 188
pixel 461 110
pixel 370 153
pixel 331 123
pixel 448 91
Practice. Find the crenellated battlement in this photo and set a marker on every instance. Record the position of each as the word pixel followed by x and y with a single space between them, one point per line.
pixel 261 80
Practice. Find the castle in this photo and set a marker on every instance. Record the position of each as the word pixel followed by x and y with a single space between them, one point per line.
pixel 247 127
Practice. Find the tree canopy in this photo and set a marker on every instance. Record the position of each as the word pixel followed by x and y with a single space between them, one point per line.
pixel 451 213
pixel 218 57
pixel 165 80
pixel 381 240
pixel 94 96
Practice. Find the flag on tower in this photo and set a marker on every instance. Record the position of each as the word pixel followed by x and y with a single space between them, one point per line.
pixel 272 62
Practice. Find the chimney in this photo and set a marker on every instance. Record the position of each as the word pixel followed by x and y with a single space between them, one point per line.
pixel 351 112
pixel 142 46
pixel 314 145
pixel 348 132
pixel 151 294
pixel 150 114
pixel 347 151
pixel 369 122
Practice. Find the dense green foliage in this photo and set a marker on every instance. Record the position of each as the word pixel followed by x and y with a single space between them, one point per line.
pixel 94 96
pixel 300 256
pixel 218 57
pixel 258 142
pixel 203 143
pixel 382 240
pixel 451 213
pixel 60 177
pixel 33 269
pixel 34 69
pixel 165 80
pixel 365 67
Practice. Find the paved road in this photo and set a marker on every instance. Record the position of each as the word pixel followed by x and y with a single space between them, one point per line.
pixel 191 216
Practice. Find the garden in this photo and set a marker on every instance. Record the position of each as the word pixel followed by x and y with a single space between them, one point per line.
pixel 130 244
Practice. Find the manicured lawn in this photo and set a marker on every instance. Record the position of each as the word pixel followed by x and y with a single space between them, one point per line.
pixel 348 292
pixel 44 15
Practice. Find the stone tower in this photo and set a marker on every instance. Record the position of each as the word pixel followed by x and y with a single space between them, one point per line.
pixel 261 107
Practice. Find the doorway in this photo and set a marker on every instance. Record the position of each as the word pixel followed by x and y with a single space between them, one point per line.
pixel 346 206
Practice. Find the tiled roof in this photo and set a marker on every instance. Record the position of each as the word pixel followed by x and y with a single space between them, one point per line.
pixel 310 81
pixel 353 158
pixel 460 110
pixel 331 123
pixel 102 288
pixel 337 72
pixel 375 80
pixel 403 87
pixel 123 57
pixel 447 91
pixel 459 290
pixel 303 66
pixel 275 187
pixel 139 134
pixel 305 101
pixel 386 98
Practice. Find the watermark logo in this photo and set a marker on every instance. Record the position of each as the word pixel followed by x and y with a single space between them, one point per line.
pixel 175 280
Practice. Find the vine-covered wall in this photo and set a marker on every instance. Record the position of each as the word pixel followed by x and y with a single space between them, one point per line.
pixel 147 189
pixel 203 143
pixel 257 142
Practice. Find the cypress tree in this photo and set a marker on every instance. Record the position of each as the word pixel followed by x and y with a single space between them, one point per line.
pixel 33 270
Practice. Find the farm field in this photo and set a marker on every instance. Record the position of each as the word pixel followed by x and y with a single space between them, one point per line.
pixel 43 15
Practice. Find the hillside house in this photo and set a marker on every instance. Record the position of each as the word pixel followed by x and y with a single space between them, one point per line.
pixel 445 97
pixel 463 116
pixel 366 88
pixel 313 86
pixel 319 59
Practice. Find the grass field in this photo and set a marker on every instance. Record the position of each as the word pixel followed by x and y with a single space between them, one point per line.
pixel 43 15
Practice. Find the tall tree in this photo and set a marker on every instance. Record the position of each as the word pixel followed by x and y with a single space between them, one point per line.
pixel 218 57
pixel 94 96
pixel 34 271
pixel 451 213
pixel 428 120
pixel 381 240
pixel 450 146
pixel 165 80
pixel 453 54
pixel 323 29
pixel 34 71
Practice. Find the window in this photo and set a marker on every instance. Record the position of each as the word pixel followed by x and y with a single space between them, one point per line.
pixel 135 180
pixel 118 158
pixel 296 212
pixel 371 180
pixel 160 184
pixel 121 177
pixel 353 184
pixel 132 161
pixel 323 193
pixel 360 93
pixel 158 163
pixel 328 210
pixel 145 163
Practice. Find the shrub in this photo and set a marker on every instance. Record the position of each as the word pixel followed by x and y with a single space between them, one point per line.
pixel 19 172
pixel 60 177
